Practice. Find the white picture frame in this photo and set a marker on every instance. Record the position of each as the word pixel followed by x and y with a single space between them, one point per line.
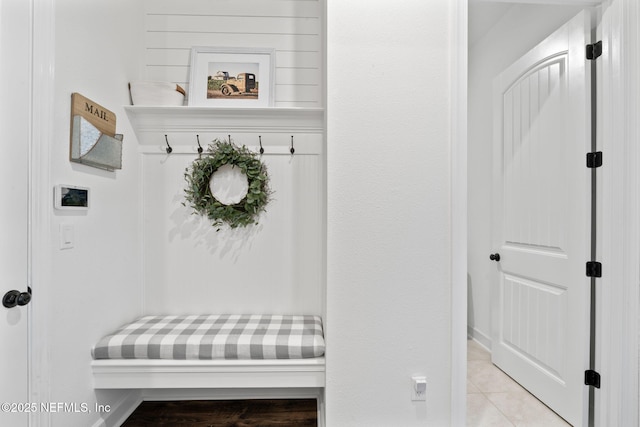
pixel 222 77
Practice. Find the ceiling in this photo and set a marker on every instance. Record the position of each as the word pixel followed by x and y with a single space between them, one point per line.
pixel 484 14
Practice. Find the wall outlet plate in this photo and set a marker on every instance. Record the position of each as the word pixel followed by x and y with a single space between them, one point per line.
pixel 419 388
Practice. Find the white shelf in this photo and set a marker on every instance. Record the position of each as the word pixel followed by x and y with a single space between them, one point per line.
pixel 181 124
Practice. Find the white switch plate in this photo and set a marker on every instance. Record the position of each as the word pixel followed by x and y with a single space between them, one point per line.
pixel 67 236
pixel 418 388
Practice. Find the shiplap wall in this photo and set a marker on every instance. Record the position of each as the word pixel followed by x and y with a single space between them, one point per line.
pixel 292 28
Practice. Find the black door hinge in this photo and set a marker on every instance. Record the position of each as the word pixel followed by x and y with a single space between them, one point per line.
pixel 592 378
pixel 594 269
pixel 594 160
pixel 594 50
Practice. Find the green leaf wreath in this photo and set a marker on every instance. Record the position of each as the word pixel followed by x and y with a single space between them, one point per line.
pixel 198 193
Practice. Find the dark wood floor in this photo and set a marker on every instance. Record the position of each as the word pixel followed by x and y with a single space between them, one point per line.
pixel 226 413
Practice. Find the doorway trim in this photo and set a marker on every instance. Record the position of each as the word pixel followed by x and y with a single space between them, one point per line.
pixel 458 153
pixel 618 349
pixel 42 92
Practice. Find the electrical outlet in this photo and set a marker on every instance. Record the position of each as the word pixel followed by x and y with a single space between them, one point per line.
pixel 418 388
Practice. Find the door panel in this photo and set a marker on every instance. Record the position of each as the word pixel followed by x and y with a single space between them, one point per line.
pixel 533 215
pixel 541 202
pixel 528 330
pixel 15 51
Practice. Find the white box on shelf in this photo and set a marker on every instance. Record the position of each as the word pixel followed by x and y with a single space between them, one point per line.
pixel 156 93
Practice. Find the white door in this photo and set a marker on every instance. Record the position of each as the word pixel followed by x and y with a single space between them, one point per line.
pixel 541 220
pixel 15 83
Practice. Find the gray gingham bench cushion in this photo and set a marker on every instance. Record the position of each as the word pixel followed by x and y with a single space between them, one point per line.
pixel 207 337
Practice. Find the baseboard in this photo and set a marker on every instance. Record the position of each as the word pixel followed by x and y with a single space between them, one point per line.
pixel 121 410
pixel 478 336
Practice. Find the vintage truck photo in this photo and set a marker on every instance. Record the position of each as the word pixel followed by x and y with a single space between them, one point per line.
pixel 223 85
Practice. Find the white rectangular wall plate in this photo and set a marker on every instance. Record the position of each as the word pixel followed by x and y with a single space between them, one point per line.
pixel 67 236
pixel 418 388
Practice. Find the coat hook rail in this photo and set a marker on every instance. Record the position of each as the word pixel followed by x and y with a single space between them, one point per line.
pixel 200 149
pixel 278 144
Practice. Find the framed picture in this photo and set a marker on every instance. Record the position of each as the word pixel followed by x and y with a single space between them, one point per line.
pixel 231 77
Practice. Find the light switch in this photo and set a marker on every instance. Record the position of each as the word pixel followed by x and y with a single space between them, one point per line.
pixel 67 236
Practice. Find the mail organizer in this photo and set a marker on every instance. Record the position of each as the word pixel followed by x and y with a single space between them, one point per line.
pixel 94 141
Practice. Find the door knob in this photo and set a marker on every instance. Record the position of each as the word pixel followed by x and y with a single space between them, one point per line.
pixel 494 257
pixel 13 298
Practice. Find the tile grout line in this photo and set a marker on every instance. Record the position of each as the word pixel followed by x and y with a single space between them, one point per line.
pixel 484 394
pixel 513 423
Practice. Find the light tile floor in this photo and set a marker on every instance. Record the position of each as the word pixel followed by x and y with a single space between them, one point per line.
pixel 495 400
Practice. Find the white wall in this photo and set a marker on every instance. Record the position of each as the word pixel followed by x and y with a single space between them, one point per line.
pixel 274 267
pixel 94 287
pixel 388 142
pixel 517 31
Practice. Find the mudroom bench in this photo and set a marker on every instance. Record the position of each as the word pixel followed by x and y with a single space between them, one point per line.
pixel 212 351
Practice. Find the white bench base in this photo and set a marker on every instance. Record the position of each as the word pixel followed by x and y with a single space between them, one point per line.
pixel 208 374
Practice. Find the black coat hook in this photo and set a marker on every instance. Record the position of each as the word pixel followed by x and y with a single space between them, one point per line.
pixel 168 149
pixel 292 150
pixel 261 149
pixel 200 149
